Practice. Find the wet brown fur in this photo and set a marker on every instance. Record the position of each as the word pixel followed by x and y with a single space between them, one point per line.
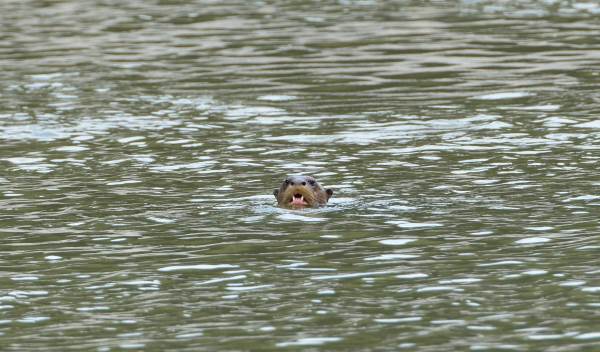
pixel 314 194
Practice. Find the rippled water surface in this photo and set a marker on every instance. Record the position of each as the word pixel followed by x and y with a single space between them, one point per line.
pixel 140 143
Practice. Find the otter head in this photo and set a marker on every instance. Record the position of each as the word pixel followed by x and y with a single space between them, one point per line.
pixel 301 191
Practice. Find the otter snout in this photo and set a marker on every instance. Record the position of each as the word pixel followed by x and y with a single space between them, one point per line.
pixel 301 191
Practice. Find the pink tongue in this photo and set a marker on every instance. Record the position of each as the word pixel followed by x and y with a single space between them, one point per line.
pixel 298 201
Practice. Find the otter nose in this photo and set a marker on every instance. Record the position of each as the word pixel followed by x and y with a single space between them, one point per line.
pixel 296 181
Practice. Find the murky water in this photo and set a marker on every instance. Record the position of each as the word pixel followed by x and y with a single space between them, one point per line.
pixel 141 141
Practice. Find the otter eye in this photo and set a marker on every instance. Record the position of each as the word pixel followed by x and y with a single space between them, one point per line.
pixel 287 182
pixel 303 183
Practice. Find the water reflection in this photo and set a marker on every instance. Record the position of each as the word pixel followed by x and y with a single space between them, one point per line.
pixel 141 142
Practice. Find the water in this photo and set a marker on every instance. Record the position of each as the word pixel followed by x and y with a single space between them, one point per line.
pixel 141 141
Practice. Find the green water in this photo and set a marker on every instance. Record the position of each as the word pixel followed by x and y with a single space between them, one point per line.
pixel 140 143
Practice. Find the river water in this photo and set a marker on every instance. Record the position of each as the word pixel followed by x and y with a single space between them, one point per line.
pixel 140 143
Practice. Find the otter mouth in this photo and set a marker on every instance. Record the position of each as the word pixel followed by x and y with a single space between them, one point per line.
pixel 298 199
pixel 298 196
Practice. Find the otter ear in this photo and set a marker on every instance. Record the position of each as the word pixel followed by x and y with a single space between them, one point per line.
pixel 275 192
pixel 329 192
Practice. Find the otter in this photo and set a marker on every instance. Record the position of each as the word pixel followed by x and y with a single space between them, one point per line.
pixel 301 191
